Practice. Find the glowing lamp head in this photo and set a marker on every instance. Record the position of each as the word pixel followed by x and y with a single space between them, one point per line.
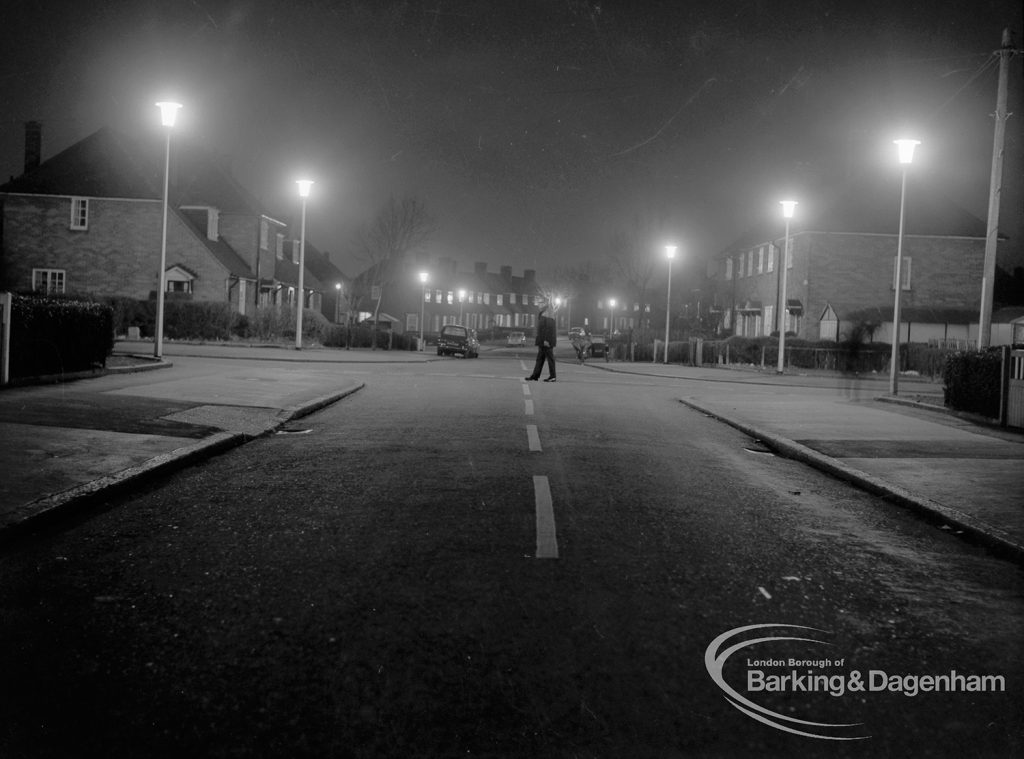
pixel 423 277
pixel 906 149
pixel 611 303
pixel 304 185
pixel 168 112
pixel 788 207
pixel 337 286
pixel 670 251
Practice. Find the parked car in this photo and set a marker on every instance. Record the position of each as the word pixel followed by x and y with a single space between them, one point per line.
pixel 598 346
pixel 457 339
pixel 516 338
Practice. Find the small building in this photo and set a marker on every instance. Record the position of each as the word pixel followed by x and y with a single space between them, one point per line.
pixel 841 270
pixel 89 220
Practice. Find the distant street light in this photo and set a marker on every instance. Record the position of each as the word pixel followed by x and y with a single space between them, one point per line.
pixel 462 298
pixel 788 207
pixel 337 302
pixel 423 280
pixel 168 114
pixel 611 306
pixel 670 252
pixel 304 185
pixel 906 155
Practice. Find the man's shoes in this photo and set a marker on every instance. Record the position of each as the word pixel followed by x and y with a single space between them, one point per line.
pixel 550 379
pixel 530 379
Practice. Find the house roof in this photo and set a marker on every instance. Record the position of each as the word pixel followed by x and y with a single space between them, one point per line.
pixel 226 255
pixel 109 164
pixel 868 205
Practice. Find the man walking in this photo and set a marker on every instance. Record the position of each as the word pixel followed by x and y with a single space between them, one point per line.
pixel 545 342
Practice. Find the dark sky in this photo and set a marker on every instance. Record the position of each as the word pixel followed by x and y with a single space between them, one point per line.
pixel 534 129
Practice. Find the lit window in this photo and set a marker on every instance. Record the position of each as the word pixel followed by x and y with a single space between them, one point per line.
pixel 760 260
pixel 512 299
pixel 728 269
pixel 48 281
pixel 79 213
pixel 500 298
pixel 280 246
pixel 264 234
pixel 771 258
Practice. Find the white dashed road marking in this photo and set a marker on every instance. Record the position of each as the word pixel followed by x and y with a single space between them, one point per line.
pixel 547 541
pixel 529 408
pixel 532 437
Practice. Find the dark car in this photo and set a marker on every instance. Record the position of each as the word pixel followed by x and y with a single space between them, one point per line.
pixel 598 346
pixel 455 338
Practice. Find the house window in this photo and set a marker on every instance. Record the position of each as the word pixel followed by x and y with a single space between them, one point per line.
pixel 412 322
pixel 728 268
pixel 750 264
pixel 487 299
pixel 179 286
pixel 739 268
pixel 760 260
pixel 280 246
pixel 512 299
pixel 500 298
pixel 264 233
pixel 771 258
pixel 79 213
pixel 426 296
pixel 451 297
pixel 904 273
pixel 438 296
pixel 769 319
pixel 48 281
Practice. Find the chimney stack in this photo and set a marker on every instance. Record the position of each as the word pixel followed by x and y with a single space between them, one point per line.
pixel 33 145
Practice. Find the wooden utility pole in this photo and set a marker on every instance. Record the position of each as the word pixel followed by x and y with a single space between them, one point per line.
pixel 995 189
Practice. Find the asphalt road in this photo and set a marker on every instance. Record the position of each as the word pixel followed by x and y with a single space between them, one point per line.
pixel 381 580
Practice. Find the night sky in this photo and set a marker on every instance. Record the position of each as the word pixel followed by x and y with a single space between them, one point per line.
pixel 533 130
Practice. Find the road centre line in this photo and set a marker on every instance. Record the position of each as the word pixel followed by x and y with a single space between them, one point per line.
pixel 529 408
pixel 532 437
pixel 547 541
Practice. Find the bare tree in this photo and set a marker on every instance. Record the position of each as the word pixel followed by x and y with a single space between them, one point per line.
pixel 632 255
pixel 399 228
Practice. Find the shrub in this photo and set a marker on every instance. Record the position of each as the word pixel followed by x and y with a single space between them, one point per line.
pixel 972 381
pixel 57 335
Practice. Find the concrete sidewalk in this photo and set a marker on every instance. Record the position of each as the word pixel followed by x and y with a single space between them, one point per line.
pixel 960 472
pixel 64 445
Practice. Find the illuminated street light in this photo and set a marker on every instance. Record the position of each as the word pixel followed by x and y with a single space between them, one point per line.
pixel 788 207
pixel 168 114
pixel 905 150
pixel 611 306
pixel 304 186
pixel 337 302
pixel 462 298
pixel 423 279
pixel 670 252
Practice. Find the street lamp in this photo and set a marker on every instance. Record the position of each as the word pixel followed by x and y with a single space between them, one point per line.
pixel 337 302
pixel 670 252
pixel 168 113
pixel 788 207
pixel 423 279
pixel 906 155
pixel 462 298
pixel 611 306
pixel 304 185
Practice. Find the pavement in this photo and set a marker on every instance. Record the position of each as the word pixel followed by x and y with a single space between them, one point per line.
pixel 64 446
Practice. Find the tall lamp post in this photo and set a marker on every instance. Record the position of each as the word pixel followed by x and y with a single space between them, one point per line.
pixel 670 252
pixel 611 328
pixel 337 302
pixel 168 114
pixel 906 155
pixel 423 299
pixel 304 185
pixel 788 207
pixel 462 298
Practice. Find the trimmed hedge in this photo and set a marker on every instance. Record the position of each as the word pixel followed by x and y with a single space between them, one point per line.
pixel 58 335
pixel 972 381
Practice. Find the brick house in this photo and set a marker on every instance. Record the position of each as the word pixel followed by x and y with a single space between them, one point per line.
pixel 841 269
pixel 89 220
pixel 480 299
